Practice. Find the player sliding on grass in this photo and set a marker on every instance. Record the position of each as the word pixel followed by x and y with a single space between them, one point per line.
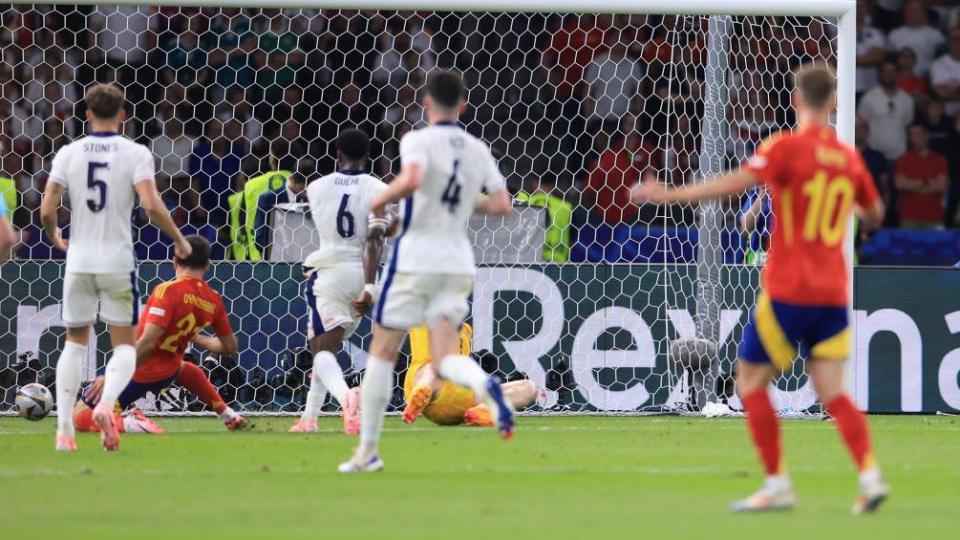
pixel 443 402
pixel 341 271
pixel 174 315
pixel 430 275
pixel 815 182
pixel 101 174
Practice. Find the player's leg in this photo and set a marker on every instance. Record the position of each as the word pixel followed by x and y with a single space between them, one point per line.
pixel 376 389
pixel 520 393
pixel 79 313
pixel 764 351
pixel 329 293
pixel 421 384
pixel 195 381
pixel 132 420
pixel 120 309
pixel 447 307
pixel 426 386
pixel 852 425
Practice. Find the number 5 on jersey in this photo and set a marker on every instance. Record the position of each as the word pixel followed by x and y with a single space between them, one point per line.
pixel 93 183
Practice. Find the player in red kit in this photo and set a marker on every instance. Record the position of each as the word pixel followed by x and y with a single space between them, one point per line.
pixel 815 183
pixel 175 314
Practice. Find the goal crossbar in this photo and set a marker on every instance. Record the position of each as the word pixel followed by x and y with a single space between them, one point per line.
pixel 800 8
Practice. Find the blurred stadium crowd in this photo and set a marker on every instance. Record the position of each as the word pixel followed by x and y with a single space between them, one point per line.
pixel 576 107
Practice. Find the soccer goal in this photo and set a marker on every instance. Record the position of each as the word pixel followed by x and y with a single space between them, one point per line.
pixel 609 307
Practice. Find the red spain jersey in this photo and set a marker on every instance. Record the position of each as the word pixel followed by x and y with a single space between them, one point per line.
pixel 183 307
pixel 814 180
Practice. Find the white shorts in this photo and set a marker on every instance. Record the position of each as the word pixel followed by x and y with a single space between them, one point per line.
pixel 114 297
pixel 330 292
pixel 409 300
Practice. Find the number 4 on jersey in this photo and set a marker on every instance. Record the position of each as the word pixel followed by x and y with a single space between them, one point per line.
pixel 451 195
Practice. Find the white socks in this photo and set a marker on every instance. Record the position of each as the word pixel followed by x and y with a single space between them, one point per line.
pixel 327 375
pixel 227 414
pixel 68 384
pixel 326 367
pixel 461 370
pixel 120 370
pixel 315 397
pixel 375 394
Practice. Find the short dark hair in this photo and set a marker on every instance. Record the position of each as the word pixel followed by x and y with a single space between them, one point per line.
pixel 353 144
pixel 104 101
pixel 816 84
pixel 285 153
pixel 199 256
pixel 446 88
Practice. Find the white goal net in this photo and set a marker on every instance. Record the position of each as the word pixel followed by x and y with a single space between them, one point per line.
pixel 606 305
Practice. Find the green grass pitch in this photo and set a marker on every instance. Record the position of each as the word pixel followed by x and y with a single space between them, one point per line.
pixel 586 477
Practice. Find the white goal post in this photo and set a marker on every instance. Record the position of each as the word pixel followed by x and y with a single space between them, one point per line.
pixel 708 80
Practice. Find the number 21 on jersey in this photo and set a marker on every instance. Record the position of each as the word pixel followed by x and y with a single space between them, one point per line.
pixel 828 204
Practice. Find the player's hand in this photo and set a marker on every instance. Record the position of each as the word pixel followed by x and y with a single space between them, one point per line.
pixel 650 191
pixel 92 394
pixel 363 303
pixel 60 242
pixel 182 248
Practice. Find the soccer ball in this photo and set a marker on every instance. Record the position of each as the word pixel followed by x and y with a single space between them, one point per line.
pixel 34 401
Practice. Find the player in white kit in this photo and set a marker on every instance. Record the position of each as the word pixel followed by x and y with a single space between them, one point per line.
pixel 101 174
pixel 340 272
pixel 430 274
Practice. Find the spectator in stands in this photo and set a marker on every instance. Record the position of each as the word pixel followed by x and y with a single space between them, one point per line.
pixel 917 34
pixel 876 162
pixel 888 110
pixel 127 33
pixel 543 193
pixel 755 223
pixel 945 74
pixel 939 126
pixel 569 51
pixel 907 78
pixel 215 161
pixel 953 158
pixel 173 149
pixel 614 78
pixel 921 180
pixel 871 50
pixel 619 169
pixel 293 190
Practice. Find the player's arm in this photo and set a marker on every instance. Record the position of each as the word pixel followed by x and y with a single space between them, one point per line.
pixel 871 217
pixel 225 341
pixel 147 342
pixel 372 252
pixel 730 183
pixel 498 201
pixel 223 345
pixel 49 206
pixel 159 216
pixel 748 221
pixel 408 181
pixel 8 238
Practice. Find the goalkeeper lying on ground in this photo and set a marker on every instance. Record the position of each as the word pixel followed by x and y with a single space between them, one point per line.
pixel 446 403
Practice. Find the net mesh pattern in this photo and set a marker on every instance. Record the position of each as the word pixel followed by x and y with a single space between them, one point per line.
pixel 607 306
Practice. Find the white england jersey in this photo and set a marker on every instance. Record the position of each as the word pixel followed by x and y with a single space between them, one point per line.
pixel 340 209
pixel 456 167
pixel 99 172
